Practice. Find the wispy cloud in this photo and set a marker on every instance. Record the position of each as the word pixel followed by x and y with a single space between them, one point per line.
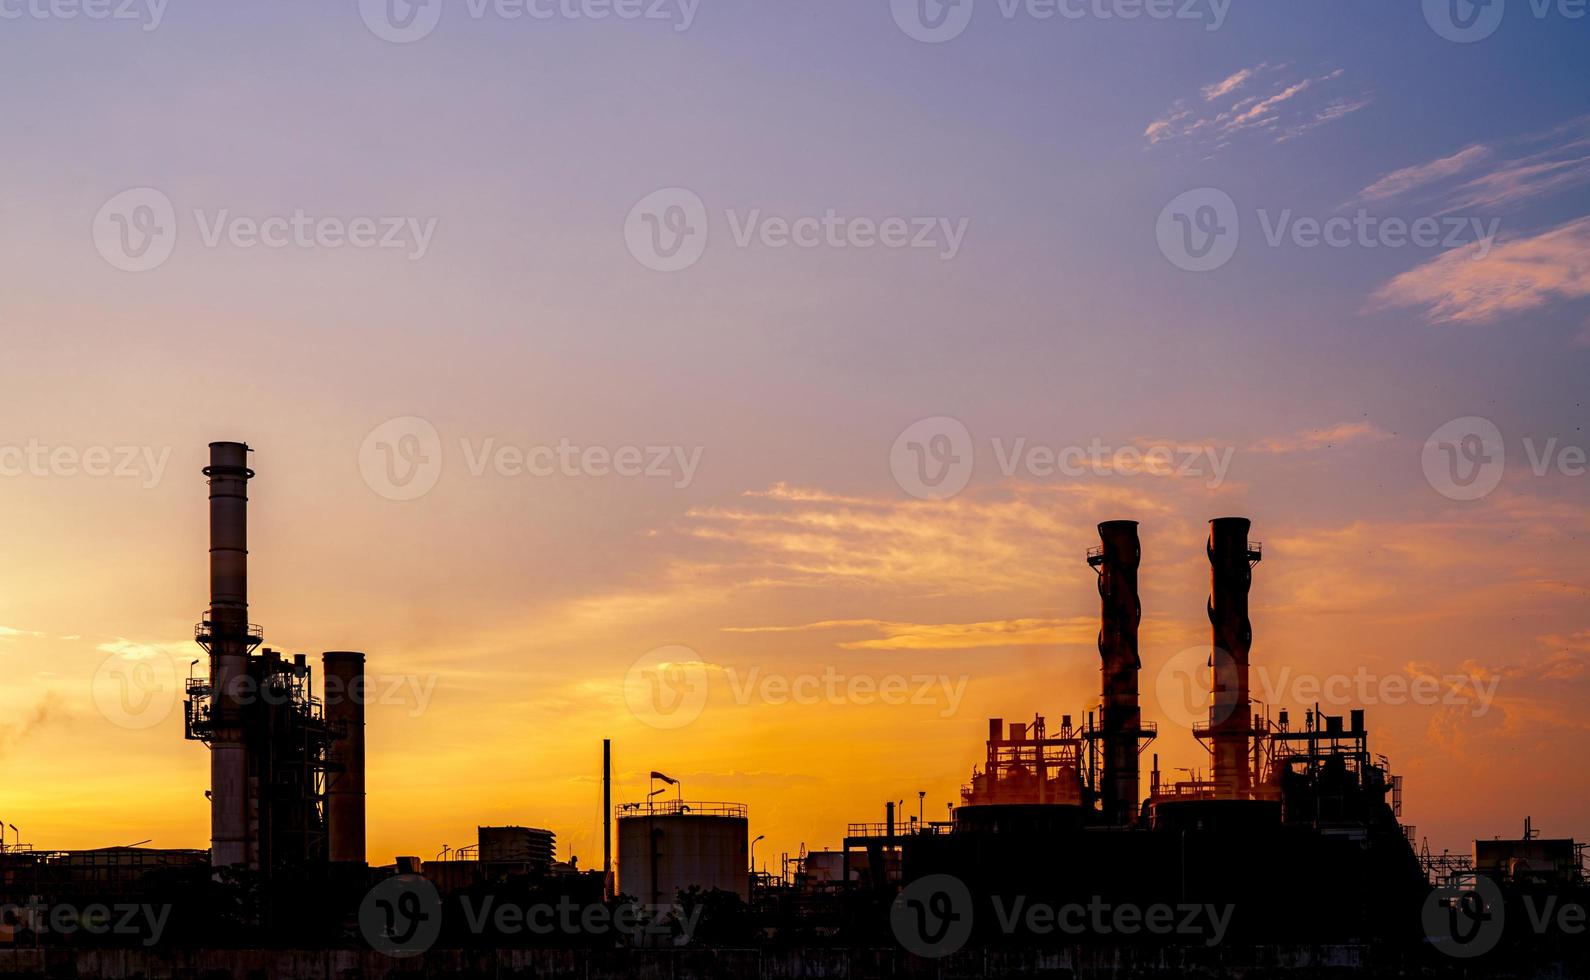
pixel 1517 276
pixel 1286 108
pixel 1078 631
pixel 1329 437
pixel 1230 84
pixel 1408 179
pixel 1493 178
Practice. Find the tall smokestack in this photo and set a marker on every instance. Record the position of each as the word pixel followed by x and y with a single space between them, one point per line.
pixel 345 696
pixel 607 818
pixel 1120 612
pixel 227 636
pixel 1231 561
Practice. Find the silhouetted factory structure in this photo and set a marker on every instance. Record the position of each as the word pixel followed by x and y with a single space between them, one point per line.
pixel 1296 827
pixel 1307 813
pixel 286 765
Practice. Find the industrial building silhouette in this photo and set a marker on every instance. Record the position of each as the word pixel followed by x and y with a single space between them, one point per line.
pixel 1293 841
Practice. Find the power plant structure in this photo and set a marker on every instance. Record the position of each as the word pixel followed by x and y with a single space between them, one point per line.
pixel 1296 831
pixel 286 765
pixel 1060 813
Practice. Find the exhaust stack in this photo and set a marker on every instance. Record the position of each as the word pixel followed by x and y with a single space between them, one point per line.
pixel 345 696
pixel 1231 560
pixel 226 634
pixel 1116 562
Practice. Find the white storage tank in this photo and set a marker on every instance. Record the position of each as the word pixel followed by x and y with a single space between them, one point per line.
pixel 667 848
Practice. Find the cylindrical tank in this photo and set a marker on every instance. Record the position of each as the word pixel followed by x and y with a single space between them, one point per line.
pixel 344 700
pixel 674 847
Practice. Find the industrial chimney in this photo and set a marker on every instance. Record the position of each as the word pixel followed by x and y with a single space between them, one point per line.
pixel 344 700
pixel 1231 561
pixel 1116 562
pixel 226 634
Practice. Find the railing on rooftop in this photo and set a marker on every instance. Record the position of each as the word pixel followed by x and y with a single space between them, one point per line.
pixel 681 808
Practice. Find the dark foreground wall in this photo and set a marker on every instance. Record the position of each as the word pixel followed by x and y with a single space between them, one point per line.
pixel 1093 963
